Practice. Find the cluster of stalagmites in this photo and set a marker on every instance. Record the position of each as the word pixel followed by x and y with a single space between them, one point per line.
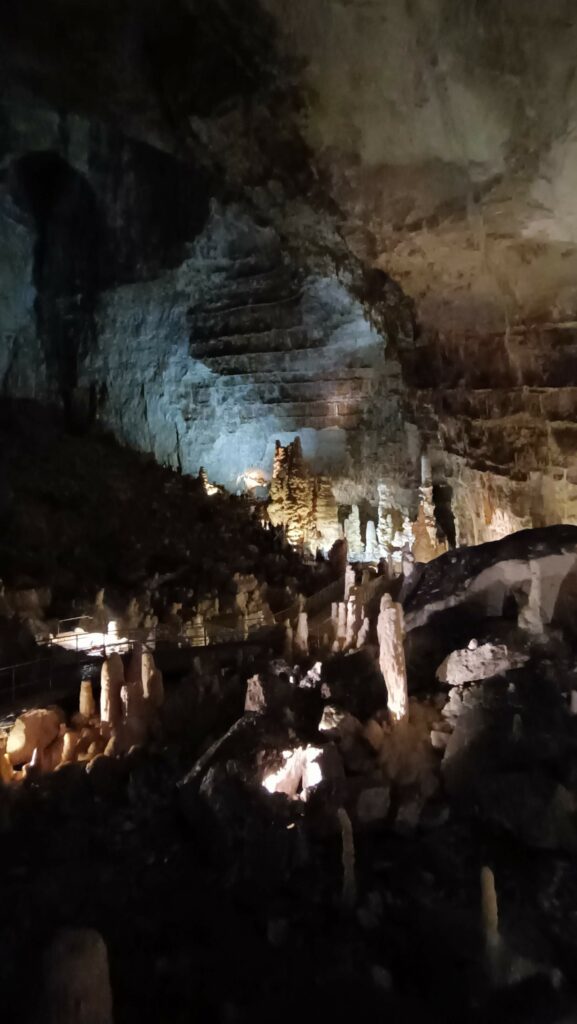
pixel 41 741
pixel 395 743
pixel 305 505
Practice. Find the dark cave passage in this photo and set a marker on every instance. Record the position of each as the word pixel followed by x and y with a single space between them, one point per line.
pixel 66 260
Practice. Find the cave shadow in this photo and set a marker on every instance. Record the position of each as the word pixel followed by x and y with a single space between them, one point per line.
pixel 67 268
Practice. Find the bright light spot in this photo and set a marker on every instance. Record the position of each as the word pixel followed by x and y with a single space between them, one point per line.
pixel 252 479
pixel 301 768
pixel 79 640
pixel 399 708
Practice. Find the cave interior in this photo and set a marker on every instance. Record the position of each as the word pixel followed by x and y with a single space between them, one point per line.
pixel 288 511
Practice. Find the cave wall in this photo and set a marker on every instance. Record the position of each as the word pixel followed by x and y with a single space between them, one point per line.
pixel 226 224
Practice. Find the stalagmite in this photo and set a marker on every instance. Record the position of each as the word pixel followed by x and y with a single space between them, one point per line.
pixel 153 690
pixel 134 668
pixel 86 704
pixel 288 648
pixel 407 562
pixel 353 535
pixel 301 640
pixel 531 616
pixel 363 634
pixel 147 667
pixel 111 681
pixel 392 656
pixel 490 920
pixel 372 553
pixel 334 617
pixel 351 624
pixel 350 578
pixel 76 988
pixel 292 494
pixel 349 891
pixel 341 621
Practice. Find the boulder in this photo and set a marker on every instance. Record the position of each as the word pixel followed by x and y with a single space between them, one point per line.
pixel 372 805
pixel 478 661
pixel 482 578
pixel 33 730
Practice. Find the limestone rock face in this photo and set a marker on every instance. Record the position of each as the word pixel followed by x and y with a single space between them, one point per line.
pixel 34 730
pixel 396 273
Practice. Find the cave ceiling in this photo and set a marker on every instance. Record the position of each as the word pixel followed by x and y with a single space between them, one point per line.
pixel 444 131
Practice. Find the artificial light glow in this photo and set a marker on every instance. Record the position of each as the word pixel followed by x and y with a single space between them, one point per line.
pixel 399 709
pixel 79 640
pixel 301 769
pixel 252 478
pixel 288 777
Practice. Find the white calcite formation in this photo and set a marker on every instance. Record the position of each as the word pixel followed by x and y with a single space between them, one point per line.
pixel 372 550
pixel 363 634
pixel 86 704
pixel 478 661
pixel 353 535
pixel 392 656
pixel 111 681
pixel 349 582
pixel 301 637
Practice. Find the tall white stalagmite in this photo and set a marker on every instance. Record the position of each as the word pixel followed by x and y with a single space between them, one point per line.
pixel 353 534
pixel 372 553
pixel 111 681
pixel 531 616
pixel 392 656
pixel 351 628
pixel 301 640
pixel 288 646
pixel 363 634
pixel 349 582
pixel 86 705
pixel 341 621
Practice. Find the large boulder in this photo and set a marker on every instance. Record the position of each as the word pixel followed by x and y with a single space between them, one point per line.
pixel 34 730
pixel 536 568
pixel 478 661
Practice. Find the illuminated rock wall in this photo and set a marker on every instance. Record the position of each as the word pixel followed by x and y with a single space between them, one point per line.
pixel 343 223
